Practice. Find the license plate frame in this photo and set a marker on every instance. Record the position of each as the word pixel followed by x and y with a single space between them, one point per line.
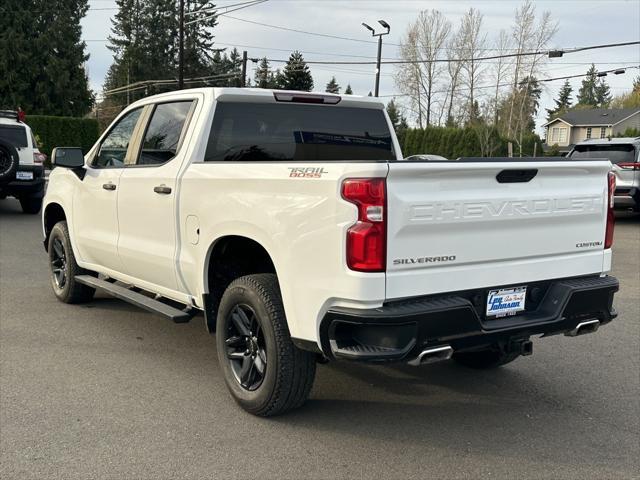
pixel 20 175
pixel 506 302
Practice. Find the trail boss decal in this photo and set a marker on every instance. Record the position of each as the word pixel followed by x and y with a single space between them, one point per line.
pixel 306 172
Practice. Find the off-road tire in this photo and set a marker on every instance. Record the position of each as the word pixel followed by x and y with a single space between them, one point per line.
pixel 9 161
pixel 30 205
pixel 485 359
pixel 289 371
pixel 71 291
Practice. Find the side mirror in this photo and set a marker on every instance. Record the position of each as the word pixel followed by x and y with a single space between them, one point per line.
pixel 67 157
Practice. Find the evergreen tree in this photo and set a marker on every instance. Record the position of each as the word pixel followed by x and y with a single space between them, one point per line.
pixel 332 86
pixel 144 42
pixel 234 66
pixel 602 94
pixel 587 93
pixel 264 76
pixel 198 39
pixel 563 102
pixel 296 74
pixel 131 61
pixel 42 57
pixel 277 80
pixel 348 91
pixel 398 120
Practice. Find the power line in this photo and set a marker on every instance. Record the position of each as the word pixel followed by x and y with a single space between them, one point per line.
pixel 471 59
pixel 542 80
pixel 324 35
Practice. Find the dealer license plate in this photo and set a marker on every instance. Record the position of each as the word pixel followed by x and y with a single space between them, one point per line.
pixel 507 301
pixel 24 175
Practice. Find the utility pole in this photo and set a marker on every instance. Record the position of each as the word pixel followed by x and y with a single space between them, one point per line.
pixel 181 48
pixel 243 80
pixel 379 35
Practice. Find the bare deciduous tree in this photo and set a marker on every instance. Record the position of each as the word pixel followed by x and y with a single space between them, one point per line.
pixel 473 45
pixel 423 43
pixel 500 69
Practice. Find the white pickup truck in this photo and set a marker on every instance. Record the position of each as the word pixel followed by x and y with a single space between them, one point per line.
pixel 292 221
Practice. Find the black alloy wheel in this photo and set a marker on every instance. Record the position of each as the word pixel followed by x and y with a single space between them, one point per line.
pixel 246 347
pixel 59 263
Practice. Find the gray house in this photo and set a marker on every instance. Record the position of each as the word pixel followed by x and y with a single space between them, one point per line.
pixel 579 125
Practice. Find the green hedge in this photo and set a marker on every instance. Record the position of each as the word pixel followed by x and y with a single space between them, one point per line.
pixel 460 142
pixel 54 132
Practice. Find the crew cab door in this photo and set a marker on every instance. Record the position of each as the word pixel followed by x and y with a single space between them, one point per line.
pixel 147 196
pixel 95 223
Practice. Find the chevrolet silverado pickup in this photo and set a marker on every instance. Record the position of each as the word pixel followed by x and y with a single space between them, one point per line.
pixel 292 221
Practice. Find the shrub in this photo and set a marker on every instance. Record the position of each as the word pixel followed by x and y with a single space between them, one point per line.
pixel 54 132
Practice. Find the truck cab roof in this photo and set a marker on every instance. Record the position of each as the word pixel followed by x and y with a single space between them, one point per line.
pixel 263 95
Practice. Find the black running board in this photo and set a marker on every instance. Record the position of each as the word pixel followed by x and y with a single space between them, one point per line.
pixel 135 298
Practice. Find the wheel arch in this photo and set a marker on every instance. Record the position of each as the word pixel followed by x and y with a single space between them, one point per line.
pixel 52 213
pixel 230 257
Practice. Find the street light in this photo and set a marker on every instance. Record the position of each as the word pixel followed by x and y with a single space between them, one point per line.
pixel 379 35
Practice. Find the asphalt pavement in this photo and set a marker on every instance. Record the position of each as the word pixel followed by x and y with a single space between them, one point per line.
pixel 108 391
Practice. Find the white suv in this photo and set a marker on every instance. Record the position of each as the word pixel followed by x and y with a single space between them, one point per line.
pixel 624 155
pixel 21 163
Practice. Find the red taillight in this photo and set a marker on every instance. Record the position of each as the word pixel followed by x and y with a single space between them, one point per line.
pixel 611 219
pixel 629 165
pixel 39 158
pixel 367 238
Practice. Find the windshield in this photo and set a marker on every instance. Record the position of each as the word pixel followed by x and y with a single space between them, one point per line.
pixel 615 153
pixel 290 132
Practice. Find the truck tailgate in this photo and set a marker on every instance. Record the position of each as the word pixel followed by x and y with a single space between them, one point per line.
pixel 463 225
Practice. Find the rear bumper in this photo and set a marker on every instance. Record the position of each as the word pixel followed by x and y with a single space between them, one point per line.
pixel 17 188
pixel 399 331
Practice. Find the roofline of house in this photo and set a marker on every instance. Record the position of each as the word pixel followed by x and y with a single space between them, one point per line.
pixel 557 119
pixel 591 124
pixel 627 118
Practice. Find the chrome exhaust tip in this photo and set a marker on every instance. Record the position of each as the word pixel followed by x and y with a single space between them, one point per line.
pixel 583 328
pixel 432 355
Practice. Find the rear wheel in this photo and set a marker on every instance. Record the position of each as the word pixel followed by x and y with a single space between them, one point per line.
pixel 485 359
pixel 30 205
pixel 264 371
pixel 64 268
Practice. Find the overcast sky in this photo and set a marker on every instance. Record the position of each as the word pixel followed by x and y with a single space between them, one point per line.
pixel 582 23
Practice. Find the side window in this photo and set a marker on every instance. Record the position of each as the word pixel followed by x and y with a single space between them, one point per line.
pixel 113 148
pixel 162 138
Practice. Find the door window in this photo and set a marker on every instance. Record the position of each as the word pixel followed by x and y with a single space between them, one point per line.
pixel 162 138
pixel 113 148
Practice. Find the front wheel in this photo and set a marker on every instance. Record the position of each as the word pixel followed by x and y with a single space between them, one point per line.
pixel 63 268
pixel 264 371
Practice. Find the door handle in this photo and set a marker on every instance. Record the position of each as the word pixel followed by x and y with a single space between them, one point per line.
pixel 109 186
pixel 162 189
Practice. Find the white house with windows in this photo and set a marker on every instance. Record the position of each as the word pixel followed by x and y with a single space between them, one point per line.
pixel 579 125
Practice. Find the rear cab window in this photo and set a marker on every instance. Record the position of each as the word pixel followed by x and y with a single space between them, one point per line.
pixel 617 153
pixel 164 133
pixel 292 132
pixel 15 135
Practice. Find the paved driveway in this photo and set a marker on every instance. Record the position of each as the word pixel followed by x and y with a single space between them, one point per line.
pixel 108 391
